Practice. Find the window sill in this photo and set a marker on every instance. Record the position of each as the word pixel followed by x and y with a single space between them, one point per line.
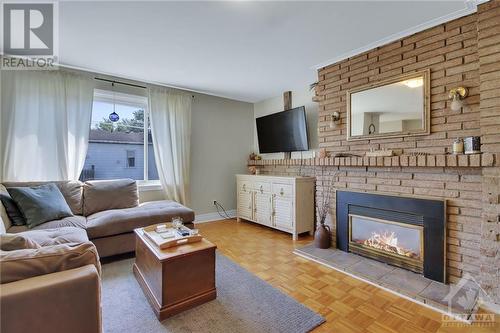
pixel 152 185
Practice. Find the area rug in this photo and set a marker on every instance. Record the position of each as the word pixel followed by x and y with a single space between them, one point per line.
pixel 244 304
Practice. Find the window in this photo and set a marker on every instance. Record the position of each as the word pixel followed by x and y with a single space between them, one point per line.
pixel 130 158
pixel 121 149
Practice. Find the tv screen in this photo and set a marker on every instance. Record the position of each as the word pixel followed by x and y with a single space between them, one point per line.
pixel 283 131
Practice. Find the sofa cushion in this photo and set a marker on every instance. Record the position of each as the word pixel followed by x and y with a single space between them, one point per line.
pixel 40 204
pixel 58 250
pixel 72 191
pixel 27 263
pixel 34 239
pixel 60 235
pixel 119 221
pixel 11 242
pixel 71 221
pixel 101 195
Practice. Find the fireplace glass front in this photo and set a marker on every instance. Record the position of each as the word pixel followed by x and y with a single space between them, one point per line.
pixel 399 244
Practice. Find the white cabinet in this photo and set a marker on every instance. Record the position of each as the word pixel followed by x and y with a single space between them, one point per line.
pixel 245 205
pixel 262 208
pixel 283 213
pixel 284 203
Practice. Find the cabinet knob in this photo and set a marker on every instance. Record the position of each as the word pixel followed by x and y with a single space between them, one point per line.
pixel 282 192
pixel 261 189
pixel 244 187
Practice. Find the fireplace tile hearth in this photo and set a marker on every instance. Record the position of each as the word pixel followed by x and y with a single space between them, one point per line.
pixel 341 260
pixel 406 282
pixel 398 280
pixel 370 269
pixel 436 293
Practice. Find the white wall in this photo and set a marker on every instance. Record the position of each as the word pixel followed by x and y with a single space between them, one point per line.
pixel 222 138
pixel 301 97
pixel 222 134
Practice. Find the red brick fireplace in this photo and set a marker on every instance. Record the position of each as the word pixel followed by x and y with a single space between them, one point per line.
pixel 461 52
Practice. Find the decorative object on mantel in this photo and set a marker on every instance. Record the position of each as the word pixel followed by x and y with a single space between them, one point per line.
pixel 418 153
pixel 371 129
pixel 322 235
pixel 334 119
pixel 347 155
pixel 312 87
pixel 252 170
pixel 380 153
pixel 323 153
pixel 458 146
pixel 457 95
pixel 472 145
pixel 254 157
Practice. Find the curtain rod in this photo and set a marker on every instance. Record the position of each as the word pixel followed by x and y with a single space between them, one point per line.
pixel 118 82
pixel 124 83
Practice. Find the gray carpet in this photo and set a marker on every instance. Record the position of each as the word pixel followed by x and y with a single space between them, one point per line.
pixel 244 304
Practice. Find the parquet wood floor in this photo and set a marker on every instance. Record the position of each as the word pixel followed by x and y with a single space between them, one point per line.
pixel 349 305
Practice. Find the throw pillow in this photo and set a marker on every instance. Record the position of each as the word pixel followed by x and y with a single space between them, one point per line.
pixel 13 212
pixel 99 195
pixel 40 204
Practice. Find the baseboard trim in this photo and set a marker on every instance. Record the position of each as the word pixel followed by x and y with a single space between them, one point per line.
pixel 490 306
pixel 209 217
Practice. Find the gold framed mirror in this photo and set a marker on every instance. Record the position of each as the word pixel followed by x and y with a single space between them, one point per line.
pixel 396 107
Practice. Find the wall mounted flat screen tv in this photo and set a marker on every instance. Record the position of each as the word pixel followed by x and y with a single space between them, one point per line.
pixel 283 131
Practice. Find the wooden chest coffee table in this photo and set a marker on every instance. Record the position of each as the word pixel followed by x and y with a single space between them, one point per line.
pixel 175 279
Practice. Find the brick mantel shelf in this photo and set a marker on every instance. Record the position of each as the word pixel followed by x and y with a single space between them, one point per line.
pixel 444 160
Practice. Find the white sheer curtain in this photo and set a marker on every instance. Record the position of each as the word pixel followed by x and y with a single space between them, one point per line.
pixel 170 115
pixel 44 125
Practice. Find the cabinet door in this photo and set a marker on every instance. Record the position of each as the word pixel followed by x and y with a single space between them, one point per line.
pixel 283 213
pixel 262 209
pixel 245 205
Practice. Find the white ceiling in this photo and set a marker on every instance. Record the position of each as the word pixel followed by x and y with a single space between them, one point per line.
pixel 242 50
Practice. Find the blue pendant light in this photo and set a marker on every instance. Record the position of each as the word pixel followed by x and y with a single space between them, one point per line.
pixel 113 116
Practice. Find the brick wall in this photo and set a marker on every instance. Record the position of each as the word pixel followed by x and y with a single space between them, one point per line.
pixel 489 78
pixel 463 52
pixel 449 51
pixel 461 187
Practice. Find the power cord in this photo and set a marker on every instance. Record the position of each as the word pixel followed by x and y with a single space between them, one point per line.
pixel 218 206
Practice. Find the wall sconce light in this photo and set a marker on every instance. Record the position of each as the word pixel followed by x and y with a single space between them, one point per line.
pixel 457 95
pixel 334 118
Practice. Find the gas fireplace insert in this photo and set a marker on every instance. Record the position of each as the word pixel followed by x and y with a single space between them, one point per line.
pixel 400 231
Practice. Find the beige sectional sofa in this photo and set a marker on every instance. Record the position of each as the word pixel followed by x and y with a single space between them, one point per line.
pixel 49 282
pixel 108 211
